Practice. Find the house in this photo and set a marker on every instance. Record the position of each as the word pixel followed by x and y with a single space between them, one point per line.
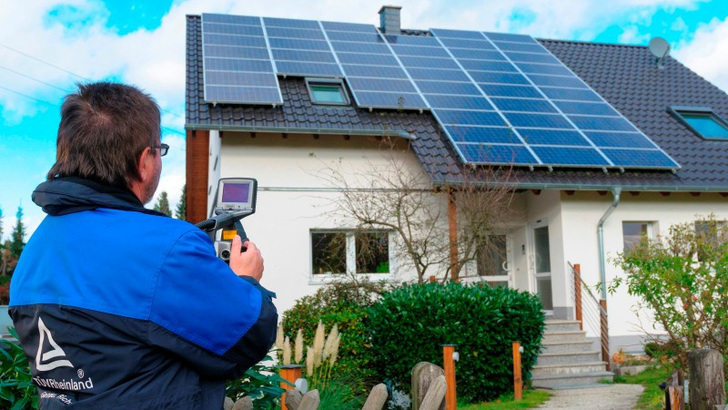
pixel 604 142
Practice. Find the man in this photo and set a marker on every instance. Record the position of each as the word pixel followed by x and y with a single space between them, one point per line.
pixel 118 306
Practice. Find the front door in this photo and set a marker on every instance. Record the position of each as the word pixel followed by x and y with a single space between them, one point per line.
pixel 494 261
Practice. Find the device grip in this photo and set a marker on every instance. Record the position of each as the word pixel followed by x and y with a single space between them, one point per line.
pixel 241 232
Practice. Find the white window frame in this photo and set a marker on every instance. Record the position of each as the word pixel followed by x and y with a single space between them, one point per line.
pixel 322 278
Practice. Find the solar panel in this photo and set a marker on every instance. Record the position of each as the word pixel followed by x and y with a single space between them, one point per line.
pixel 557 118
pixel 295 44
pixel 500 98
pixel 304 69
pixel 236 61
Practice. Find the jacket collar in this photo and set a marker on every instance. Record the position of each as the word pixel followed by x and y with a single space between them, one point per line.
pixel 72 194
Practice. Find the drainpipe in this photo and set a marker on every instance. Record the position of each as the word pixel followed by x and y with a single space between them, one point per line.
pixel 600 232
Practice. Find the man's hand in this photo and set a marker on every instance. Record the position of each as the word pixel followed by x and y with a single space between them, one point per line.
pixel 248 263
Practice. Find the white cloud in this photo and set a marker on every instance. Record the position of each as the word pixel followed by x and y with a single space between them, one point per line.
pixel 631 35
pixel 707 52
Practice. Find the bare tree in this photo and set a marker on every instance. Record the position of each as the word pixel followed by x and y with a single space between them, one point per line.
pixel 396 195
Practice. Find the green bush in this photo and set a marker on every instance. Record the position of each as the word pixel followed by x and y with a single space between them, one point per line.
pixel 680 279
pixel 261 382
pixel 410 324
pixel 343 303
pixel 16 389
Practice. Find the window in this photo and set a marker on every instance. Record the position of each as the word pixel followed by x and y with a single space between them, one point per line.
pixel 711 235
pixel 633 232
pixel 372 252
pixel 702 121
pixel 329 252
pixel 492 260
pixel 339 252
pixel 327 91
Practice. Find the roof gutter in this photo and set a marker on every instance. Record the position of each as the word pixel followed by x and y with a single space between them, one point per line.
pixel 299 130
pixel 567 187
pixel 600 234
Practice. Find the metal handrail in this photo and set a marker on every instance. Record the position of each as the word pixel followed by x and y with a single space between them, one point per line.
pixel 596 315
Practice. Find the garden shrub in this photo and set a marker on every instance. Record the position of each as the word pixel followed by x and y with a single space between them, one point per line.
pixel 343 303
pixel 17 392
pixel 261 382
pixel 680 280
pixel 410 324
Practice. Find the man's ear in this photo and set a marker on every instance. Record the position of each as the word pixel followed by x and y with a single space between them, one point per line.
pixel 145 165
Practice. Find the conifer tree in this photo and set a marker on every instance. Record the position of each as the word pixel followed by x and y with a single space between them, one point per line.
pixel 181 211
pixel 162 204
pixel 17 242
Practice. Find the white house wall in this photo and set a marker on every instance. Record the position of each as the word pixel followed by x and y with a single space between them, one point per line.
pixel 580 215
pixel 293 198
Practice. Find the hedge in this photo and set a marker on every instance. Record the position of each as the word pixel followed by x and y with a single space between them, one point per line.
pixel 410 324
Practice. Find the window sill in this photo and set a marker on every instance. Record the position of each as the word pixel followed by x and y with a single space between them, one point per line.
pixel 324 279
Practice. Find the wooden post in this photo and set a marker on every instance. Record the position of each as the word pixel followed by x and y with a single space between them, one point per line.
pixel 291 373
pixel 675 392
pixel 604 333
pixel 435 394
pixel 377 398
pixel 448 364
pixel 577 295
pixel 452 219
pixel 517 379
pixel 707 382
pixel 423 374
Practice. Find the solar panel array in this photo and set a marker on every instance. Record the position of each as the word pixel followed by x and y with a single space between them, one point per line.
pixel 237 62
pixel 500 98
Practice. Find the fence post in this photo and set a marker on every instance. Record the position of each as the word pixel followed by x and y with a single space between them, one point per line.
pixel 577 295
pixel 604 333
pixel 517 379
pixel 449 367
pixel 291 372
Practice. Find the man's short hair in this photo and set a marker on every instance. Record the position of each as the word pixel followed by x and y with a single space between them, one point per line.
pixel 104 129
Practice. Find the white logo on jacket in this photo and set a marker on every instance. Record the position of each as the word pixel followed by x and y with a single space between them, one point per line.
pixel 43 360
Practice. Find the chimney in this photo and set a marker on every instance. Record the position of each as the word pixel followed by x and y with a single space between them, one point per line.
pixel 389 19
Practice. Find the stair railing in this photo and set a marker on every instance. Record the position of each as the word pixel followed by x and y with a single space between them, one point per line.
pixel 590 311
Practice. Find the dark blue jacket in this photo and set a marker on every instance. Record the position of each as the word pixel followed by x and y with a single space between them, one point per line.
pixel 120 307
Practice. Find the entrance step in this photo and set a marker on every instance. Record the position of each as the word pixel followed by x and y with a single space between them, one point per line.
pixel 567 347
pixel 573 381
pixel 562 326
pixel 546 359
pixel 564 336
pixel 568 368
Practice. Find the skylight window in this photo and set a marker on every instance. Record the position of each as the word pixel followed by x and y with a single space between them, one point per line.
pixel 327 91
pixel 702 121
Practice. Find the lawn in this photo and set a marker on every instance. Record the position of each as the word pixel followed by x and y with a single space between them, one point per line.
pixel 531 399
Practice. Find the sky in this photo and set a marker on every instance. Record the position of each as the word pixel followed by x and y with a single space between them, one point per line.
pixel 47 46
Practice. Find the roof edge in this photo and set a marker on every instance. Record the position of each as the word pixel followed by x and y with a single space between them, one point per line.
pixel 596 187
pixel 297 130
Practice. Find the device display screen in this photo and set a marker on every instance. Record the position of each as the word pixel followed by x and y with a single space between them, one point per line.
pixel 235 193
